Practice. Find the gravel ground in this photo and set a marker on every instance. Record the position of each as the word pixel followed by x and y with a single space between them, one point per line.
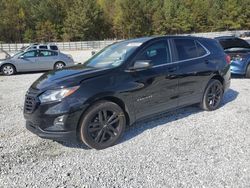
pixel 185 148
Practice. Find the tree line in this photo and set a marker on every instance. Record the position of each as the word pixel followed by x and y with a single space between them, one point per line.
pixel 75 20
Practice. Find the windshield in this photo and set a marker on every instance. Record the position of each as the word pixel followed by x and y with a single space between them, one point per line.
pixel 113 56
pixel 17 54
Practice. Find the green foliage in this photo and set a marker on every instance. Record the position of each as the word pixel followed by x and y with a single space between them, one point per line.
pixel 83 21
pixel 45 32
pixel 50 20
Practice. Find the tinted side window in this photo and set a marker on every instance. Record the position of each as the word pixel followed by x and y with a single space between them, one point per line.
pixel 157 53
pixel 185 49
pixel 200 50
pixel 53 47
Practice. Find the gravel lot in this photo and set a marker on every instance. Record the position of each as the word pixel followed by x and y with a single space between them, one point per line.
pixel 186 148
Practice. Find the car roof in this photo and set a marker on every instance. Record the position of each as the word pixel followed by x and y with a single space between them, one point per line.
pixel 145 39
pixel 40 50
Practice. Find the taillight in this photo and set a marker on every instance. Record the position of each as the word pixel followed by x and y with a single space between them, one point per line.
pixel 228 59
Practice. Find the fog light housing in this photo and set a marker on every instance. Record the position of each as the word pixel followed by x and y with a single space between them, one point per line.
pixel 59 121
pixel 58 124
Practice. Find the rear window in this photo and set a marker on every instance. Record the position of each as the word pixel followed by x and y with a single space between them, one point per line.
pixel 188 49
pixel 53 47
pixel 233 43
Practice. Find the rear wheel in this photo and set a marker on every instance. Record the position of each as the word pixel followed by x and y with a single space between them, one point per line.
pixel 8 69
pixel 102 125
pixel 248 72
pixel 59 65
pixel 213 95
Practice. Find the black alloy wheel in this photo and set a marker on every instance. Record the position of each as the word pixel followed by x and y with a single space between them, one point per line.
pixel 102 125
pixel 213 95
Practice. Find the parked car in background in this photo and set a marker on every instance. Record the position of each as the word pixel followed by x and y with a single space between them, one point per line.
pixel 126 82
pixel 35 60
pixel 35 46
pixel 41 47
pixel 239 51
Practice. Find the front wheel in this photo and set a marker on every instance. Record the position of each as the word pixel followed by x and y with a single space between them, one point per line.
pixel 102 125
pixel 248 72
pixel 8 70
pixel 213 95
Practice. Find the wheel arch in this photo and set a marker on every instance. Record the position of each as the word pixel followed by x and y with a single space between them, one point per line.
pixel 220 78
pixel 109 98
pixel 8 64
pixel 120 103
pixel 113 99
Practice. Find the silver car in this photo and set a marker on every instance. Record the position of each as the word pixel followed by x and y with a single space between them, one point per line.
pixel 35 60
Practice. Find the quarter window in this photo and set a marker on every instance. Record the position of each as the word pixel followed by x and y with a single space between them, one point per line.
pixel 200 50
pixel 188 49
pixel 157 53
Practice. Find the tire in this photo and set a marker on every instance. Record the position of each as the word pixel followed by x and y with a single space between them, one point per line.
pixel 59 65
pixel 8 70
pixel 212 96
pixel 102 125
pixel 248 71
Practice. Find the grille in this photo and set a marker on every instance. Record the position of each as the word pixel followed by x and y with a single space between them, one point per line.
pixel 30 104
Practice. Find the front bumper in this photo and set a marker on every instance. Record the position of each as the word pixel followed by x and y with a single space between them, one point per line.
pixel 59 136
pixel 43 126
pixel 41 118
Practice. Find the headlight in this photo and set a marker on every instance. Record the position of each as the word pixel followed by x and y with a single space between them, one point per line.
pixel 57 95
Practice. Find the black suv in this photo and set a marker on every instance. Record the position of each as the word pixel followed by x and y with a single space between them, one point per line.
pixel 126 82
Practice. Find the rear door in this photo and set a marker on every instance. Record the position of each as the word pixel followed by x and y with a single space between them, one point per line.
pixel 158 84
pixel 191 57
pixel 46 59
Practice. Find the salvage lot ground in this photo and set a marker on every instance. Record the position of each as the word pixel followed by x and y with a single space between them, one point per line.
pixel 186 148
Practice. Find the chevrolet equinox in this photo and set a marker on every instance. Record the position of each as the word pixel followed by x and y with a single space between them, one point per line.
pixel 126 82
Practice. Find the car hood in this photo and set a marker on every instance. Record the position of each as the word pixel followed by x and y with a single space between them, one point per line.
pixel 7 55
pixel 66 77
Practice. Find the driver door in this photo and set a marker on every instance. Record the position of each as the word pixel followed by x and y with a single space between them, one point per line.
pixel 159 85
pixel 28 61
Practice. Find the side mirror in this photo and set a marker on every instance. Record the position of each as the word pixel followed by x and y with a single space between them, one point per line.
pixel 141 65
pixel 21 57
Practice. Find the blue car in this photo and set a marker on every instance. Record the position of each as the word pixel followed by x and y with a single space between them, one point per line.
pixel 239 51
